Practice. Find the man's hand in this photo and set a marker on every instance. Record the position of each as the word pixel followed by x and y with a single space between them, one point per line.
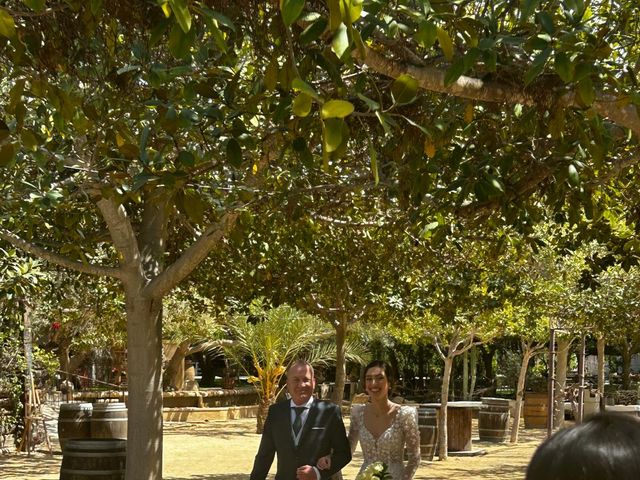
pixel 306 472
pixel 324 463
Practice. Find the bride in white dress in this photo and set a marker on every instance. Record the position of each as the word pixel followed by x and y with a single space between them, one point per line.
pixel 384 428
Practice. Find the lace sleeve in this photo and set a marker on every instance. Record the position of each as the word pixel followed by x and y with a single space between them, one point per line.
pixel 354 426
pixel 412 441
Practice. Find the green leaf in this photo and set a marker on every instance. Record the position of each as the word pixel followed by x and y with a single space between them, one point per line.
pixel 35 5
pixel 357 40
pixel 186 158
pixel 586 92
pixel 572 175
pixel 95 6
pixel 454 72
pixel 181 11
pixel 446 44
pixel 337 109
pixel 427 34
pixel 217 16
pixel 335 17
pixel 495 184
pixel 417 125
pixel 29 140
pixel 470 58
pixel 546 21
pixel 582 70
pixel 234 152
pixel 340 42
pixel 271 74
pixel 490 58
pixel 537 67
pixel 4 131
pixel 313 31
pixel 301 86
pixel 564 67
pixel 194 206
pixel 385 121
pixel 373 156
pixel 180 43
pixel 372 104
pixel 7 25
pixel 15 95
pixel 404 89
pixel 332 133
pixel 301 105
pixel 350 10
pixel 7 154
pixel 527 7
pixel 290 10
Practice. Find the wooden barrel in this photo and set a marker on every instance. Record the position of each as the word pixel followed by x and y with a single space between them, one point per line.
pixel 74 421
pixel 109 420
pixel 535 410
pixel 428 425
pixel 493 419
pixel 94 459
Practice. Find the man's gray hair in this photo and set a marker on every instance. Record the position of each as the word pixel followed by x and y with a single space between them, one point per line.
pixel 302 362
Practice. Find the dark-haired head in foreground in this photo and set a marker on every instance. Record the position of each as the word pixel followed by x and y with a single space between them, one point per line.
pixel 604 447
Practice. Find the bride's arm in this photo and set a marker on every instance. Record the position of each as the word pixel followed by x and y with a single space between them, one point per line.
pixel 412 441
pixel 354 426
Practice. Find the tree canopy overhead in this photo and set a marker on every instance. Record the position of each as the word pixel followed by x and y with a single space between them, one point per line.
pixel 135 136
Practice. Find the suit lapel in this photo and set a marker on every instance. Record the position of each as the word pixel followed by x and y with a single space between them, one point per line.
pixel 286 412
pixel 310 422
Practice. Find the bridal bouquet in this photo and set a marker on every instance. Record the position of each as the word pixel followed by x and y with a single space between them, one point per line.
pixel 375 471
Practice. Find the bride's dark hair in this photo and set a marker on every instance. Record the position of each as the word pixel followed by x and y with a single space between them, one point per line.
pixel 386 368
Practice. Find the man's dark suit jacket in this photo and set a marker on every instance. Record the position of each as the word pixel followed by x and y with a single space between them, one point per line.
pixel 323 433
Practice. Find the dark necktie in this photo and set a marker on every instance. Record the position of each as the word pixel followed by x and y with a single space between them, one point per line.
pixel 297 422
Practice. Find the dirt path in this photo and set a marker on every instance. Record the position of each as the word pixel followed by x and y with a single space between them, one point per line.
pixel 225 450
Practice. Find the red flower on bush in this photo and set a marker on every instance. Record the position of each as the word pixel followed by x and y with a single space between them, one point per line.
pixel 55 325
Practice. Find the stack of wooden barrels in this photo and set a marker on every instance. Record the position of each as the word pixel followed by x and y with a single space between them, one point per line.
pixel 93 438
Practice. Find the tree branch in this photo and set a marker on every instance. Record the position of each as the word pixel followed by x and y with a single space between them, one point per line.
pixel 432 79
pixel 56 258
pixel 122 233
pixel 192 256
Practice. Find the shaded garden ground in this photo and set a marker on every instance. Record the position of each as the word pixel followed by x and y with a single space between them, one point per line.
pixel 225 450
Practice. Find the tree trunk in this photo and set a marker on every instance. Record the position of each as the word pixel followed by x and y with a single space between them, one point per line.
pixel 443 452
pixel 625 350
pixel 173 376
pixel 263 410
pixel 474 370
pixel 522 377
pixel 341 373
pixel 144 370
pixel 487 353
pixel 64 359
pixel 563 346
pixel 465 376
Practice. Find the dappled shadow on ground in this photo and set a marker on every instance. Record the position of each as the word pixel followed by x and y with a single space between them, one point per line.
pixel 215 476
pixel 220 429
pixel 37 465
pixel 487 473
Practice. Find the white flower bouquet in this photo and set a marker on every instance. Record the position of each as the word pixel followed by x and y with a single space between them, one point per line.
pixel 374 471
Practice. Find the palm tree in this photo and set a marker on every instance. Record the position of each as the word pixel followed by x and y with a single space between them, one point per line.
pixel 272 338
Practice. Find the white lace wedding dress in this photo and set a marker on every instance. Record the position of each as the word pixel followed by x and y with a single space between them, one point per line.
pixel 390 445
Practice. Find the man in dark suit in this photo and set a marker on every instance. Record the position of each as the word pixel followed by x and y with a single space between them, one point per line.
pixel 300 431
